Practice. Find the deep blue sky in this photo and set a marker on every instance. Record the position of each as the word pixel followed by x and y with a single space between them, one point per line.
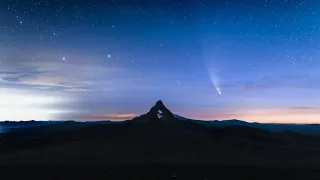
pixel 91 60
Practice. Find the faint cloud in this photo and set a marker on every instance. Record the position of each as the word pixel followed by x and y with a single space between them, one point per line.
pixel 43 69
pixel 304 109
pixel 101 117
pixel 122 115
pixel 78 90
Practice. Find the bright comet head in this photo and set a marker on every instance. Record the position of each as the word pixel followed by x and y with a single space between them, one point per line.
pixel 215 82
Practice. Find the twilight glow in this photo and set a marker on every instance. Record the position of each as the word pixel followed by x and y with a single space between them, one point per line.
pixel 112 60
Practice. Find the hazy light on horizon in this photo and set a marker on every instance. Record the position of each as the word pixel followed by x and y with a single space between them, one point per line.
pixel 19 105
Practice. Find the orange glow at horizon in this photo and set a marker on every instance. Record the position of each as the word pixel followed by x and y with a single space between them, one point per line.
pixel 297 115
pixel 112 117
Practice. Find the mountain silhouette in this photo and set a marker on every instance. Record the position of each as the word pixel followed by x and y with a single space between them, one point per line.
pixel 159 112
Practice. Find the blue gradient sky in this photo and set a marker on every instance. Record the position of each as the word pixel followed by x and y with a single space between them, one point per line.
pixel 94 60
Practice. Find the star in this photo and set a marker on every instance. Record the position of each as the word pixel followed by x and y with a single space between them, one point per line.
pixel 109 56
pixel 64 58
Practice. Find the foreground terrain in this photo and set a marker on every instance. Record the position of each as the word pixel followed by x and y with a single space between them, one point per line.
pixel 155 171
pixel 157 145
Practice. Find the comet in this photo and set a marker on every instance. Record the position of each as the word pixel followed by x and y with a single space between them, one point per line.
pixel 219 91
pixel 215 82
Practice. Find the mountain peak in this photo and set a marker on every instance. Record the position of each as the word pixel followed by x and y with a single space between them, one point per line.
pixel 159 103
pixel 158 112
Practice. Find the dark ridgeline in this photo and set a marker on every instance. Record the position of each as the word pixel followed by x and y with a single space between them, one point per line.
pixel 142 147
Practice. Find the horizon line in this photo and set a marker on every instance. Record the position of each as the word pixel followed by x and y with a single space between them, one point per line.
pixel 88 121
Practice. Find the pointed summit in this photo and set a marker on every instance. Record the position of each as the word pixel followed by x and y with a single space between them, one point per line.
pixel 159 112
pixel 159 103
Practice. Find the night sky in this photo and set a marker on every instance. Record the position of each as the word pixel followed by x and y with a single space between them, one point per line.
pixel 98 60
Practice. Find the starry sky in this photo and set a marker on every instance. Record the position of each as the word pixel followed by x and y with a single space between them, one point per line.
pixel 254 60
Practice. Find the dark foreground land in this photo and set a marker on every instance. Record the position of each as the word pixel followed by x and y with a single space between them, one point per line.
pixel 157 145
pixel 154 172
